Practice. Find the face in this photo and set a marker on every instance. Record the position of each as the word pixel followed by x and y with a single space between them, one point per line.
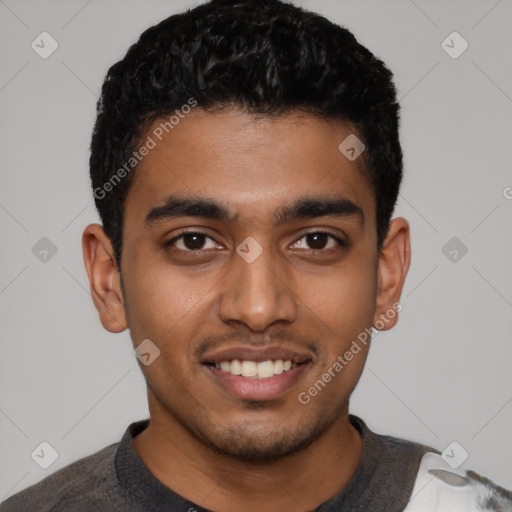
pixel 249 246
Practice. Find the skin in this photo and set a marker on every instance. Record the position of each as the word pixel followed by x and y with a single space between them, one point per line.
pixel 220 451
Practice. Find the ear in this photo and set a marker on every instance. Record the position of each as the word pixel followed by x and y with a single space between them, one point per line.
pixel 104 278
pixel 394 260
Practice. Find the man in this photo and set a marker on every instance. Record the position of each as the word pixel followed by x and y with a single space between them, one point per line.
pixel 245 164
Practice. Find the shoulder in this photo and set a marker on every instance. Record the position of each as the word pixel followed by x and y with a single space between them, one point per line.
pixel 391 454
pixel 90 476
pixel 441 488
pixel 413 477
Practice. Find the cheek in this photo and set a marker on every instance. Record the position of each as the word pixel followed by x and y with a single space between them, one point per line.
pixel 343 308
pixel 165 311
pixel 344 301
pixel 160 298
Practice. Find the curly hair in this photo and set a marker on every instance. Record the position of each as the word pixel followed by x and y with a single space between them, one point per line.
pixel 265 57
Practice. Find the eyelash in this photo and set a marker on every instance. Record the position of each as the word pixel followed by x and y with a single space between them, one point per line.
pixel 169 244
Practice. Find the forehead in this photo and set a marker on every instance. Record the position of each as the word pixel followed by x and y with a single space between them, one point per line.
pixel 252 164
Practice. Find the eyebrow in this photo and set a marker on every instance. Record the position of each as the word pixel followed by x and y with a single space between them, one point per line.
pixel 309 207
pixel 176 206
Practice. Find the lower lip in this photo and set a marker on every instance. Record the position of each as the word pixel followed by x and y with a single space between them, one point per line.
pixel 255 389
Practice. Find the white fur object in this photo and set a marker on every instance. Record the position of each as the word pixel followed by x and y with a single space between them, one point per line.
pixel 440 488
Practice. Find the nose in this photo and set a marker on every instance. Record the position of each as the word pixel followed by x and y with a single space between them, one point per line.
pixel 257 294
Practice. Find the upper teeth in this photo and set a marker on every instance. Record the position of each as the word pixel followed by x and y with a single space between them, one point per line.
pixel 262 370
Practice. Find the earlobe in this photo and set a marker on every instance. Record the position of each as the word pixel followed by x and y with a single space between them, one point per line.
pixel 394 260
pixel 104 278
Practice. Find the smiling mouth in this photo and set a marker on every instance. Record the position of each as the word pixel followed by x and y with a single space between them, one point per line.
pixel 257 373
pixel 255 369
pixel 256 377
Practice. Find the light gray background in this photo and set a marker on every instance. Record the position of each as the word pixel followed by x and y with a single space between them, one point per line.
pixel 442 375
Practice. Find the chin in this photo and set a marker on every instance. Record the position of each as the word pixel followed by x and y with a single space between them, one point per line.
pixel 244 443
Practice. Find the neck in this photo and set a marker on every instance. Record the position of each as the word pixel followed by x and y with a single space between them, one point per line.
pixel 301 481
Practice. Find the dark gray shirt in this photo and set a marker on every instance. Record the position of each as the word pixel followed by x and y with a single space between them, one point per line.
pixel 116 479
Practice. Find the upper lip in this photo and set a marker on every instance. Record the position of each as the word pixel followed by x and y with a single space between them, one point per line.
pixel 258 354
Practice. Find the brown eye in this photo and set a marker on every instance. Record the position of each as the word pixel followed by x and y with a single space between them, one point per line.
pixel 318 241
pixel 194 241
pixel 190 242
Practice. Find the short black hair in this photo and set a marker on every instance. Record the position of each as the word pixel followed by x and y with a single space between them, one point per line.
pixel 267 57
